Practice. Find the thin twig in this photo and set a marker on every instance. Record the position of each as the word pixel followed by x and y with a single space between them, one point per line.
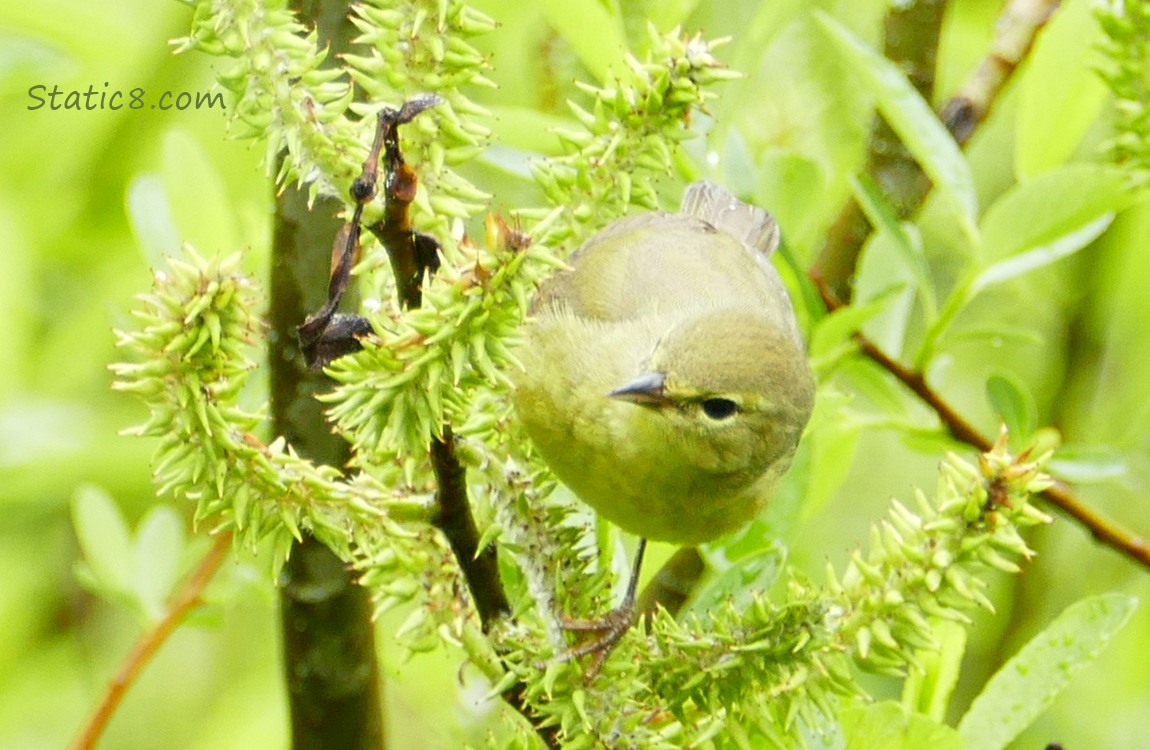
pixel 186 598
pixel 410 258
pixel 1018 27
pixel 1103 530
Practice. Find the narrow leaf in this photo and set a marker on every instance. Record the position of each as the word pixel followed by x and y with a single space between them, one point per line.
pixel 104 538
pixel 1088 463
pixel 1042 255
pixel 928 692
pixel 1028 684
pixel 836 329
pixel 1059 96
pixel 593 31
pixel 1013 402
pixel 1056 205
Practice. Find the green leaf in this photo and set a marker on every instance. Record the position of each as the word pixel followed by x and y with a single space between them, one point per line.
pixel 1012 401
pixel 881 272
pixel 742 579
pixel 884 218
pixel 1003 335
pixel 150 215
pixel 1086 464
pixel 1028 684
pixel 928 691
pixel 911 118
pixel 1041 256
pixel 104 541
pixel 831 440
pixel 785 182
pixel 594 32
pixel 205 217
pixel 1059 96
pixel 834 332
pixel 159 552
pixel 889 726
pixel 1031 226
pixel 1049 217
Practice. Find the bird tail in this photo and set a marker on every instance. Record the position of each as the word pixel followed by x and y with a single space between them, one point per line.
pixel 751 225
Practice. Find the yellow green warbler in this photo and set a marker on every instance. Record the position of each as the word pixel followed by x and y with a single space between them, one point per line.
pixel 665 379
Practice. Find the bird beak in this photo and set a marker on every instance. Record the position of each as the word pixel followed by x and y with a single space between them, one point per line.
pixel 645 390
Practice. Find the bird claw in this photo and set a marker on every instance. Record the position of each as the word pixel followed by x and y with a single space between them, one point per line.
pixel 604 635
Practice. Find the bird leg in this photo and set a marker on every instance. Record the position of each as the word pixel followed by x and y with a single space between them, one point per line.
pixel 604 633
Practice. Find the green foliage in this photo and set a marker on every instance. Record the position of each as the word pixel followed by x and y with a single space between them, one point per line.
pixel 138 573
pixel 271 51
pixel 1028 228
pixel 1028 683
pixel 1060 88
pixel 891 726
pixel 191 351
pixel 627 138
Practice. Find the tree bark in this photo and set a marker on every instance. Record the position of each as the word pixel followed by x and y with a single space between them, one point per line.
pixel 330 665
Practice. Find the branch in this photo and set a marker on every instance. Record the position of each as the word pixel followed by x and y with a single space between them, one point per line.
pixel 480 567
pixel 1018 26
pixel 412 254
pixel 331 669
pixel 328 638
pixel 1134 546
pixel 327 334
pixel 186 598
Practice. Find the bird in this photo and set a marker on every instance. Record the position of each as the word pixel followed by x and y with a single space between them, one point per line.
pixel 665 380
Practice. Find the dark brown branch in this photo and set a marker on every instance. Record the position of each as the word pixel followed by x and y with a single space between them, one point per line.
pixel 187 598
pixel 330 667
pixel 331 670
pixel 480 567
pixel 329 652
pixel 1106 532
pixel 410 258
pixel 327 334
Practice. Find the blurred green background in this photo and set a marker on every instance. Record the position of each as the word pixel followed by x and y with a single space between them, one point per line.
pixel 789 133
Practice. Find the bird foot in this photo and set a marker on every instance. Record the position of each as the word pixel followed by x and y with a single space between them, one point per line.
pixel 600 636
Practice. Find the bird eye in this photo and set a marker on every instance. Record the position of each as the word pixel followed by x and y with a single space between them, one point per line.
pixel 719 408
